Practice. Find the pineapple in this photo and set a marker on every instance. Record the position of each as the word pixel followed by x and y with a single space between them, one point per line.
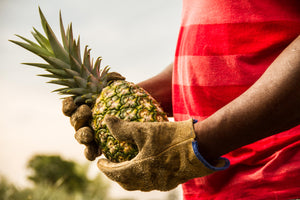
pixel 107 93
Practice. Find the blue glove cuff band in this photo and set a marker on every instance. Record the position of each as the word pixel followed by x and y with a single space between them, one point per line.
pixel 206 164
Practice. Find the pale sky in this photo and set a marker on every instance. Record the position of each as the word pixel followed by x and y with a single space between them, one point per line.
pixel 136 38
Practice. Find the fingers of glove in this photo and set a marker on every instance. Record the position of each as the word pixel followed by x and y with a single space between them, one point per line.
pixel 81 116
pixel 84 135
pixel 92 151
pixel 122 172
pixel 120 129
pixel 140 133
pixel 112 169
pixel 68 106
pixel 135 175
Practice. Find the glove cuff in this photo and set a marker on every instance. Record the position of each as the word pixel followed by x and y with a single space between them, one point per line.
pixel 207 164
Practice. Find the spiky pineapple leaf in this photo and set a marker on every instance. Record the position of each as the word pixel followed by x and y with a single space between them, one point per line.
pixel 47 75
pixel 33 48
pixel 66 82
pixel 80 77
pixel 63 33
pixel 41 39
pixel 56 63
pixel 81 82
pixel 58 50
pixel 77 91
pixel 59 73
pixel 40 65
pixel 87 57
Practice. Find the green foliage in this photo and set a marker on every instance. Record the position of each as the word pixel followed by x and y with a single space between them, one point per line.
pixel 10 192
pixel 57 179
pixel 49 192
pixel 54 179
pixel 55 171
pixel 96 189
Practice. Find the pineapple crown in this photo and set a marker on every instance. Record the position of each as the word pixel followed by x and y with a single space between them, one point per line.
pixel 82 79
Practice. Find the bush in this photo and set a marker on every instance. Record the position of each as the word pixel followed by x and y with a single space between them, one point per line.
pixel 54 179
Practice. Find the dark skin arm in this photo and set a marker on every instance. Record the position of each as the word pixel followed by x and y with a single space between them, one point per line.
pixel 271 105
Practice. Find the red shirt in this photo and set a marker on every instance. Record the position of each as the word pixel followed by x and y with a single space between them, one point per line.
pixel 223 48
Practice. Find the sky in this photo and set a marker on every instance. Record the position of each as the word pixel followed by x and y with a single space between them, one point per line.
pixel 135 38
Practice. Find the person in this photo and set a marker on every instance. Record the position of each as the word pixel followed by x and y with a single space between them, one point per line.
pixel 237 71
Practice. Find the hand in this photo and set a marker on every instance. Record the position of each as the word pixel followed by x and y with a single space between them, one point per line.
pixel 79 118
pixel 166 156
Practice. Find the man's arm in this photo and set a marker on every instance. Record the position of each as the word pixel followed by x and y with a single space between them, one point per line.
pixel 160 88
pixel 270 106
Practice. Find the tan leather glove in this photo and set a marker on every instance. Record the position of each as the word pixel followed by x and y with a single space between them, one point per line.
pixel 166 156
pixel 80 118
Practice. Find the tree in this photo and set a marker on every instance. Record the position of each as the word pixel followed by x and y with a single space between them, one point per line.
pixel 53 170
pixel 55 178
pixel 9 191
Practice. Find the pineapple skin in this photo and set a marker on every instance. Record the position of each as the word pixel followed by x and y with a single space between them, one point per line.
pixel 126 101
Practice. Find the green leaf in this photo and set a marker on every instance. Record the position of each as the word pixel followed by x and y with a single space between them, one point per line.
pixel 59 72
pixel 28 41
pixel 33 48
pixel 79 99
pixel 89 101
pixel 47 75
pixel 63 33
pixel 72 72
pixel 40 65
pixel 87 57
pixel 56 63
pixel 84 72
pixel 58 50
pixel 96 68
pixel 65 82
pixel 42 40
pixel 93 87
pixel 75 51
pixel 62 90
pixel 81 82
pixel 70 36
pixel 75 65
pixel 77 91
pixel 43 20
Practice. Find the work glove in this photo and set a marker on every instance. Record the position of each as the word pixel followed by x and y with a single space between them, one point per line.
pixel 166 155
pixel 80 119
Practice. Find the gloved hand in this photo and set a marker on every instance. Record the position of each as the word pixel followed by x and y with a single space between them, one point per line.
pixel 79 118
pixel 166 155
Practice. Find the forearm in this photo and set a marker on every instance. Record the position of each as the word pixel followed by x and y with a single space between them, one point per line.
pixel 160 88
pixel 268 107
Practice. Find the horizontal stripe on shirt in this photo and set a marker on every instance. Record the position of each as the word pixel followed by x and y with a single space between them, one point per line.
pixel 218 71
pixel 224 11
pixel 234 39
pixel 203 101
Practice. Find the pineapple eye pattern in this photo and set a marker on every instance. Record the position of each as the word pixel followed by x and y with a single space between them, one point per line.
pixel 128 102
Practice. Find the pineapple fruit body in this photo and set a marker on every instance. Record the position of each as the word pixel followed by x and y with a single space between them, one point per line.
pixel 107 93
pixel 126 101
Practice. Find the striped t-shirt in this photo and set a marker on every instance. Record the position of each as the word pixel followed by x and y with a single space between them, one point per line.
pixel 223 48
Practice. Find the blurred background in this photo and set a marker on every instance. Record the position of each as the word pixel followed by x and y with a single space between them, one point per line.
pixel 135 38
